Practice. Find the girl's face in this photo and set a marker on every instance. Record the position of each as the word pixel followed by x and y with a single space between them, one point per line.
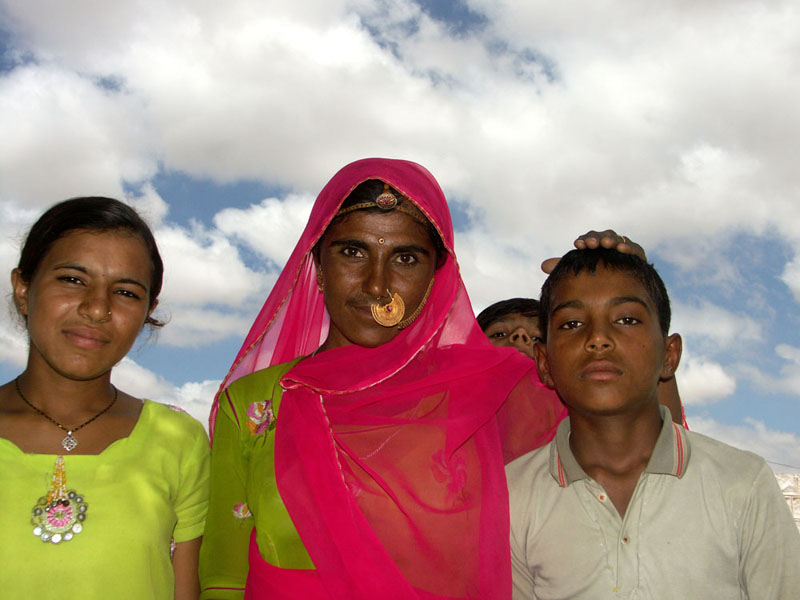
pixel 86 303
pixel 363 255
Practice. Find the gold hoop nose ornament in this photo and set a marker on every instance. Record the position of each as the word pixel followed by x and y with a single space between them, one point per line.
pixel 390 314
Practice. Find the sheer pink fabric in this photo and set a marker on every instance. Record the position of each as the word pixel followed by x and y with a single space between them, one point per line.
pixel 390 459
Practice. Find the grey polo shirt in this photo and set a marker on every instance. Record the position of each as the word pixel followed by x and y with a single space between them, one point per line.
pixel 713 527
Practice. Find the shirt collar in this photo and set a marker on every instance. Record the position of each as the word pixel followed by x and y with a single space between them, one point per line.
pixel 670 454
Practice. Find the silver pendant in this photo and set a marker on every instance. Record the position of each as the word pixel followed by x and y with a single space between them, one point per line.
pixel 69 442
pixel 60 515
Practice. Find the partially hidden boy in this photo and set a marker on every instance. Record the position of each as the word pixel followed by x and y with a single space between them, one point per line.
pixel 624 503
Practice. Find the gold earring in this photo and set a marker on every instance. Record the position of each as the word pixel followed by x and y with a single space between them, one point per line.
pixel 389 314
pixel 320 285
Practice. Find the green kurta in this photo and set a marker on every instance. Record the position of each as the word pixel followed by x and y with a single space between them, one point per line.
pixel 244 493
pixel 141 492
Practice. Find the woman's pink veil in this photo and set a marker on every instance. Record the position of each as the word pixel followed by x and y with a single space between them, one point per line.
pixel 390 459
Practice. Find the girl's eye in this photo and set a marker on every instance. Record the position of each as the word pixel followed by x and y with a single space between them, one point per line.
pixel 70 279
pixel 498 335
pixel 129 294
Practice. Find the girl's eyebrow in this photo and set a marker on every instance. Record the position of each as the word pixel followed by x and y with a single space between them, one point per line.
pixel 82 269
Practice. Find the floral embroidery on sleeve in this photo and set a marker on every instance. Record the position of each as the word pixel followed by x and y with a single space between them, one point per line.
pixel 260 417
pixel 177 408
pixel 242 511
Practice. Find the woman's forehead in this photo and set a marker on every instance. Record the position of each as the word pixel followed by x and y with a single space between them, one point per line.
pixel 387 225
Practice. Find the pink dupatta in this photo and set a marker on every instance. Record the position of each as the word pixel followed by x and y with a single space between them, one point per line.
pixel 390 459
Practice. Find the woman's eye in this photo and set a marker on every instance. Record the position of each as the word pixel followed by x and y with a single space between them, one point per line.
pixel 351 251
pixel 406 259
pixel 498 335
pixel 536 338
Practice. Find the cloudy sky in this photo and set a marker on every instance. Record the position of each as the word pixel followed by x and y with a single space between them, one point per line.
pixel 676 124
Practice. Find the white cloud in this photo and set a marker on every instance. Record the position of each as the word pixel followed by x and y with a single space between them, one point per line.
pixel 194 397
pixel 775 446
pixel 70 137
pixel 192 327
pixel 150 205
pixel 712 328
pixel 271 228
pixel 13 342
pixel 202 267
pixel 703 381
pixel 784 381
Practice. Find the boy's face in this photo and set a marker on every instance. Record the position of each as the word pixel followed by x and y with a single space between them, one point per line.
pixel 515 330
pixel 605 351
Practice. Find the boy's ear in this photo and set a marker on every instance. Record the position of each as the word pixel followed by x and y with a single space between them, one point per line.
pixel 542 366
pixel 672 356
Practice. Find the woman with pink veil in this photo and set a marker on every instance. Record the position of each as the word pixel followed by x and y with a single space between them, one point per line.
pixel 360 436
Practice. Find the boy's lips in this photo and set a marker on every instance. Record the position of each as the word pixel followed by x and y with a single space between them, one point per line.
pixel 600 370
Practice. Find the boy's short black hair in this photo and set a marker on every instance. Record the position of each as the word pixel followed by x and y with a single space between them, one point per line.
pixel 576 261
pixel 527 307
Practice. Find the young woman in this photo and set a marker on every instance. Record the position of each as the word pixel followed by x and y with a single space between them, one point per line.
pixel 360 436
pixel 103 495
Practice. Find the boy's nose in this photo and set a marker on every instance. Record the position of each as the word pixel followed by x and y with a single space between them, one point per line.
pixel 522 341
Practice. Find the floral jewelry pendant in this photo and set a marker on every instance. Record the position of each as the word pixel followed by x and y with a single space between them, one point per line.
pixel 69 442
pixel 389 314
pixel 59 516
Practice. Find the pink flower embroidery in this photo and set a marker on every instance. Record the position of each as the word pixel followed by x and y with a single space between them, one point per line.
pixel 177 408
pixel 59 516
pixel 453 472
pixel 260 416
pixel 242 511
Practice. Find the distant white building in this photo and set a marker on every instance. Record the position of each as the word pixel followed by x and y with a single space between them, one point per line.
pixel 790 486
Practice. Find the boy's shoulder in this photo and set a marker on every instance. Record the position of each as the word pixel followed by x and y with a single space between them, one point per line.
pixel 710 456
pixel 532 464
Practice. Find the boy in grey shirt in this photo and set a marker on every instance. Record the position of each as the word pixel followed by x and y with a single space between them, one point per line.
pixel 624 503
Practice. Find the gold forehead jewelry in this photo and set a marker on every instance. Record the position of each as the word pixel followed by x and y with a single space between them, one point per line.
pixel 390 314
pixel 387 201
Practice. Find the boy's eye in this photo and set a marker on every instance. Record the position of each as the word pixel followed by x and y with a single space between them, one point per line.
pixel 628 321
pixel 570 325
